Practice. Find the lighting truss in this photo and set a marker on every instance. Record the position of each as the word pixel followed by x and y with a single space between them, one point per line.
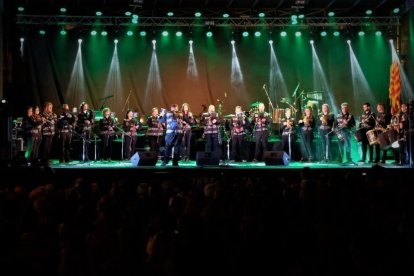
pixel 239 22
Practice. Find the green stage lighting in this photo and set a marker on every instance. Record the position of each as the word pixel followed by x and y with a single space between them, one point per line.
pixel 20 9
pixel 165 33
pixel 323 33
pixel 209 34
pixel 297 34
pixel 331 14
pixel 197 14
pixel 104 33
pixel 170 14
pixel 283 34
pixel 98 13
pixel 226 15
pixel 378 33
pixel 179 33
pixel 42 32
pixel 130 33
pixel 361 33
pixel 336 33
pixel 93 33
pixel 62 32
pixel 262 14
pixel 63 10
pixel 143 33
pixel 368 12
pixel 396 10
pixel 245 34
pixel 257 34
pixel 128 13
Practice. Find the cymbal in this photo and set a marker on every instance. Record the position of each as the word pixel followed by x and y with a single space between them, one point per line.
pixel 255 104
pixel 229 116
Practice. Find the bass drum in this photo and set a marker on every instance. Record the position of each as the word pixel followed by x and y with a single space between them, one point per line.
pixel 372 136
pixel 340 134
pixel 278 115
pixel 388 139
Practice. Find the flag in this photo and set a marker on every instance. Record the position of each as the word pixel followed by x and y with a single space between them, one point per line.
pixel 395 88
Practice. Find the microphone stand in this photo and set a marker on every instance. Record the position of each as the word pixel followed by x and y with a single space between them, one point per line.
pixel 127 101
pixel 268 98
pixel 84 141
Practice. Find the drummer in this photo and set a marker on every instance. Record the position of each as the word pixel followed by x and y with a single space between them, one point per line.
pixel 367 123
pixel 383 120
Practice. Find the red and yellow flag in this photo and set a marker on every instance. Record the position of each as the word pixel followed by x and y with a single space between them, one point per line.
pixel 395 88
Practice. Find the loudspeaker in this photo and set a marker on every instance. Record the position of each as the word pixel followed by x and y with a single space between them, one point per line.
pixel 273 158
pixel 144 158
pixel 207 158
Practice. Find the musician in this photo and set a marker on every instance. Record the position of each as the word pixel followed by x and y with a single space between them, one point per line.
pixel 383 121
pixel 173 136
pixel 155 130
pixel 326 124
pixel 238 135
pixel 107 127
pixel 188 121
pixel 65 124
pixel 403 135
pixel 367 123
pixel 130 127
pixel 344 123
pixel 211 123
pixel 36 132
pixel 83 128
pixel 48 130
pixel 288 133
pixel 261 120
pixel 307 125
pixel 27 126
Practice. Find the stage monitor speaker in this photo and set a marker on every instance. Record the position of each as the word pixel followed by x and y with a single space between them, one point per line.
pixel 273 158
pixel 144 158
pixel 207 159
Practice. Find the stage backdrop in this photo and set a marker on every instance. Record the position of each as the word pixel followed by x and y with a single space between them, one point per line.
pixel 53 67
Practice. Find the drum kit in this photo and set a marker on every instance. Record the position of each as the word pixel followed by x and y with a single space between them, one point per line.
pixel 385 138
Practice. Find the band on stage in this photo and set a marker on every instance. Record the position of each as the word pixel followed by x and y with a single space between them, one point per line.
pixel 169 132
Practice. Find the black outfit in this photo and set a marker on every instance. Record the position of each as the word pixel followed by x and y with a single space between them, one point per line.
pixel 306 129
pixel 36 133
pixel 65 124
pixel 188 122
pixel 288 136
pixel 84 130
pixel 367 120
pixel 404 139
pixel 326 134
pixel 211 133
pixel 173 137
pixel 154 133
pixel 107 126
pixel 130 128
pixel 48 132
pixel 344 125
pixel 238 137
pixel 261 123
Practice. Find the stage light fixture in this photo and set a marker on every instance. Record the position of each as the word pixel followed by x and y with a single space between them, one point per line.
pixel 98 13
pixel 368 12
pixel 143 33
pixel 283 34
pixel 164 33
pixel 93 33
pixel 226 15
pixel 262 14
pixel 209 34
pixel 134 21
pixel 232 42
pixel 331 14
pixel 361 33
pixel 63 32
pixel 190 42
pixel 104 33
pixel 257 34
pixel 396 10
pixel 42 32
pixel 170 14
pixel 301 16
pixel 270 42
pixel 349 42
pixel 130 33
pixel 116 41
pixel 20 9
pixel 63 10
pixel 179 33
pixel 245 34
pixel 80 40
pixel 336 33
pixel 324 33
pixel 128 13
pixel 197 14
pixel 297 34
pixel 378 33
pixel 135 16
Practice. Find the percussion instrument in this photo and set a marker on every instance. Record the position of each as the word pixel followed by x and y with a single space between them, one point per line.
pixel 372 136
pixel 358 135
pixel 278 115
pixel 388 139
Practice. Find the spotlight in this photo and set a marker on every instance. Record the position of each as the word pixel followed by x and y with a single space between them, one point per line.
pixel 116 41
pixel 94 33
pixel 336 33
pixel 80 40
pixel 226 15
pixel 42 32
pixel 134 21
pixel 297 34
pixel 391 41
pixel 323 33
pixel 22 39
pixel 179 33
pixel 283 34
pixel 349 42
pixel 301 16
pixel 3 101
pixel 143 33
pixel 128 13
pixel 130 33
pixel 368 12
pixel 378 33
pixel 245 34
pixel 104 33
pixel 262 14
pixel 233 42
pixel 63 32
pixel 257 34
pixel 311 41
pixel 197 14
pixel 190 42
pixel 135 16
pixel 20 9
pixel 330 14
pixel 396 10
pixel 98 13
pixel 165 33
pixel 361 33
pixel 271 42
pixel 63 10
pixel 170 14
pixel 209 34
pixel 154 41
